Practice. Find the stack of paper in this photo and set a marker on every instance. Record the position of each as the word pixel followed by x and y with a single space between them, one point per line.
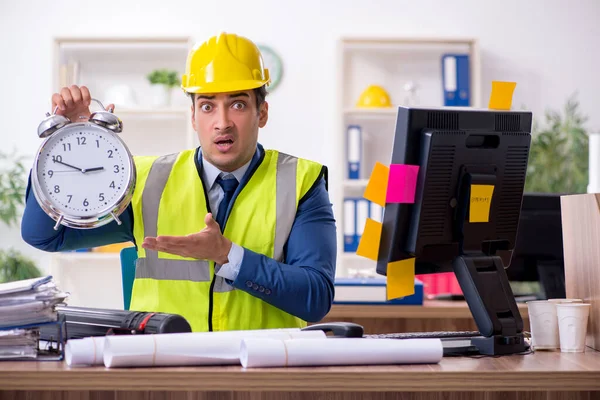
pixel 18 343
pixel 24 305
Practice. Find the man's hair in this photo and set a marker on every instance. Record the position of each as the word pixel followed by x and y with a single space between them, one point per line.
pixel 260 93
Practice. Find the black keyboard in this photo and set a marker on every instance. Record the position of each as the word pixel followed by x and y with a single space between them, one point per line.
pixel 424 335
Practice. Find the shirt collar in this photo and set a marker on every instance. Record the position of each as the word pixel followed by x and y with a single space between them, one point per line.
pixel 211 173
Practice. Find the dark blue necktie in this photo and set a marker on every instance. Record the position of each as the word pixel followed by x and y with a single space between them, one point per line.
pixel 229 186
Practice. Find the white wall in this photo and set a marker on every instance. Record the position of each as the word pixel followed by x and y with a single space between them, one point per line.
pixel 550 47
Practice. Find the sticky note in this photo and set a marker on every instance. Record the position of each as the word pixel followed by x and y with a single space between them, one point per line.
pixel 480 202
pixel 377 186
pixel 400 278
pixel 402 183
pixel 370 240
pixel 501 96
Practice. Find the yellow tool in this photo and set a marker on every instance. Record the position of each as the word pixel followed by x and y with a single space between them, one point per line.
pixel 374 97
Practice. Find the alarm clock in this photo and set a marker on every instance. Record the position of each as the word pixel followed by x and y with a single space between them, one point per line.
pixel 83 174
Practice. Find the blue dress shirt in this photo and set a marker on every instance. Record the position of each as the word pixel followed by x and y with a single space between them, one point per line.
pixel 302 285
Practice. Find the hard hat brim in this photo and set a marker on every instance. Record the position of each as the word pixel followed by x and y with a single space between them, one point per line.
pixel 225 87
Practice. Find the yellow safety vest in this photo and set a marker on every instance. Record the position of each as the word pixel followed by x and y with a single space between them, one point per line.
pixel 170 199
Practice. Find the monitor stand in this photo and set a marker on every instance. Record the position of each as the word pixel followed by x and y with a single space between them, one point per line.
pixel 486 289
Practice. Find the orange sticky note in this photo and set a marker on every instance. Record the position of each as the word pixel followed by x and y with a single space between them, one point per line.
pixel 501 96
pixel 480 202
pixel 377 187
pixel 370 240
pixel 400 278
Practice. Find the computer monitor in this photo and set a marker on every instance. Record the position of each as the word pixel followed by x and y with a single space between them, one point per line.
pixel 456 149
pixel 538 252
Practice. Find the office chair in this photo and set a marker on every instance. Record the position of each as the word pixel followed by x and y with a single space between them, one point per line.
pixel 128 258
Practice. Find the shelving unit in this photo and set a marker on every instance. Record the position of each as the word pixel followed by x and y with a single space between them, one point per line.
pixel 115 69
pixel 390 63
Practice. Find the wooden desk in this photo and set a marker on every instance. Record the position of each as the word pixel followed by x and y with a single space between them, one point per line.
pixel 543 375
pixel 431 316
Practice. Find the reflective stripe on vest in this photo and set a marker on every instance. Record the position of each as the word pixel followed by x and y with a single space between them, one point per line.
pixel 199 270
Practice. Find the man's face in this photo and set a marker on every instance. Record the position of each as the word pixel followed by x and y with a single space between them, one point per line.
pixel 227 125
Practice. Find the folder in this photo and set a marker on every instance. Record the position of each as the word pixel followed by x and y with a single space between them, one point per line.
pixel 372 291
pixel 375 212
pixel 362 213
pixel 354 151
pixel 350 237
pixel 456 80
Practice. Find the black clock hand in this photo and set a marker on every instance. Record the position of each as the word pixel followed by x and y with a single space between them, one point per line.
pixel 92 169
pixel 69 165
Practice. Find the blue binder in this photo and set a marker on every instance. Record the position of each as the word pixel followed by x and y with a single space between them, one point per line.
pixel 357 291
pixel 456 80
pixel 350 229
pixel 354 150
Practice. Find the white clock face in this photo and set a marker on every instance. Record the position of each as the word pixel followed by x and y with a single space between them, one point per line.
pixel 83 171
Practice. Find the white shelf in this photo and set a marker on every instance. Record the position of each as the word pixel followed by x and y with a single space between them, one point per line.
pixel 167 114
pixel 152 111
pixel 372 113
pixel 356 183
pixel 391 62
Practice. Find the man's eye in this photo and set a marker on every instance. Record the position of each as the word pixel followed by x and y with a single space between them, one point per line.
pixel 239 106
pixel 206 107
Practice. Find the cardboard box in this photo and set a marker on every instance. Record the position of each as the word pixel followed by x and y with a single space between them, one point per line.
pixel 581 243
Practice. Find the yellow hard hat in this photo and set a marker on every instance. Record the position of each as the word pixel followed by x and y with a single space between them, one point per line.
pixel 224 63
pixel 374 96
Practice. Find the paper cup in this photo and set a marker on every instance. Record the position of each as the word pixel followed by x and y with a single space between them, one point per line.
pixel 544 325
pixel 572 326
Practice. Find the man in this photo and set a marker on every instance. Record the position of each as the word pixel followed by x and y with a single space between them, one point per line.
pixel 268 260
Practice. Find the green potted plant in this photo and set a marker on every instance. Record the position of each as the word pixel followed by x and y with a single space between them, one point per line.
pixel 13 265
pixel 162 81
pixel 558 159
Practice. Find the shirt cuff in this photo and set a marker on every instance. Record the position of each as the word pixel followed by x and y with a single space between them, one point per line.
pixel 231 269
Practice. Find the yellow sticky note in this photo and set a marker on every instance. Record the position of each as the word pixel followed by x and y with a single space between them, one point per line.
pixel 480 202
pixel 502 93
pixel 369 241
pixel 400 278
pixel 377 187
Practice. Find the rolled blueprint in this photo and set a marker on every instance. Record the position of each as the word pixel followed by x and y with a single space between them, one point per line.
pixel 270 352
pixel 179 349
pixel 86 351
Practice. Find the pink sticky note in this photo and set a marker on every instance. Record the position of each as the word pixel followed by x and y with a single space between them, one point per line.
pixel 402 183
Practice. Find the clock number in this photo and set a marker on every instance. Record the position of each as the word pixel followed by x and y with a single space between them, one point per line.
pixel 116 169
pixel 112 184
pixel 50 173
pixel 67 146
pixel 97 143
pixel 70 196
pixel 56 189
pixel 56 158
pixel 101 197
pixel 81 141
pixel 110 153
pixel 85 202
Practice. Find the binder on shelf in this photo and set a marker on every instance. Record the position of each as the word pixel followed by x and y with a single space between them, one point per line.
pixel 350 233
pixel 375 212
pixel 354 150
pixel 456 80
pixel 362 213
pixel 372 291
